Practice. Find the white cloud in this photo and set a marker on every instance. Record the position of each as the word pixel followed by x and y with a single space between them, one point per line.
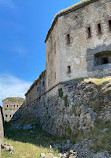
pixel 7 4
pixel 11 86
pixel 19 50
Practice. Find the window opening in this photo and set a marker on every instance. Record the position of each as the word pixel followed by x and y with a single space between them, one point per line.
pixel 69 69
pixel 37 89
pixel 102 58
pixel 68 39
pixel 99 29
pixel 89 32
pixel 105 60
pixel 109 25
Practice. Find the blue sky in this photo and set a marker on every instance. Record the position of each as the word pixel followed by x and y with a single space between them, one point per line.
pixel 23 28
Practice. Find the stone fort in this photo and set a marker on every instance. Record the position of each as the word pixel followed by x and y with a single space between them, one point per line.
pixel 11 106
pixel 78 45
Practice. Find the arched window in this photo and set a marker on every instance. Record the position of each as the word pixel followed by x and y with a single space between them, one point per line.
pixel 102 58
pixel 7 106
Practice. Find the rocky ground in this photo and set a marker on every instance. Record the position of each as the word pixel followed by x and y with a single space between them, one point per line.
pixel 78 150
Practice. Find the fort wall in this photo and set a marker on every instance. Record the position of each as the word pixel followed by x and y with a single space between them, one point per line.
pixel 80 34
pixel 78 45
pixel 11 108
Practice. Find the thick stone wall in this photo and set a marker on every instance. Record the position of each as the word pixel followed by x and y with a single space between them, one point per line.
pixel 70 107
pixel 75 49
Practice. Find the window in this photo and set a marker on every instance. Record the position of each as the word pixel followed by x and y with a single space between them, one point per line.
pixel 109 22
pixel 10 115
pixel 14 106
pixel 6 115
pixel 37 89
pixel 7 106
pixel 102 58
pixel 43 83
pixel 69 69
pixel 99 29
pixel 68 39
pixel 89 32
pixel 17 106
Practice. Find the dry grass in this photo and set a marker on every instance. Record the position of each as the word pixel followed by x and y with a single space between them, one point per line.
pixel 24 150
pixel 99 81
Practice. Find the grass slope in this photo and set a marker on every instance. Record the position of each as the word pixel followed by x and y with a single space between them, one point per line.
pixel 26 144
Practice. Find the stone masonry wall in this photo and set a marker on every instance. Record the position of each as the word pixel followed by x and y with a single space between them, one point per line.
pixel 79 53
pixel 71 107
pixel 11 109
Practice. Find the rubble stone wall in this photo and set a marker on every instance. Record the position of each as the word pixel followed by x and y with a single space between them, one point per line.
pixel 70 107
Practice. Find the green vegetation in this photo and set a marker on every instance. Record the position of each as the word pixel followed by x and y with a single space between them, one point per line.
pixel 69 131
pixel 66 101
pixel 14 99
pixel 28 144
pixel 101 139
pixel 60 92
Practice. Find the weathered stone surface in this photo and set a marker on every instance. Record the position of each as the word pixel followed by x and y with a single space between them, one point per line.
pixel 42 155
pixel 7 147
pixel 11 108
pixel 49 155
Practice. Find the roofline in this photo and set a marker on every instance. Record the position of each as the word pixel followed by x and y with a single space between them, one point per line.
pixel 35 82
pixel 66 11
pixel 8 98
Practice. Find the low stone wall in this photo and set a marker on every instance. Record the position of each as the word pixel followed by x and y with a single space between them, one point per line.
pixel 71 107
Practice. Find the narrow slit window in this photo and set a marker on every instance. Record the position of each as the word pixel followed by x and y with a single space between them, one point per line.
pixel 89 32
pixel 109 25
pixel 10 116
pixel 69 69
pixel 7 106
pixel 99 29
pixel 68 39
pixel 37 89
pixel 43 83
